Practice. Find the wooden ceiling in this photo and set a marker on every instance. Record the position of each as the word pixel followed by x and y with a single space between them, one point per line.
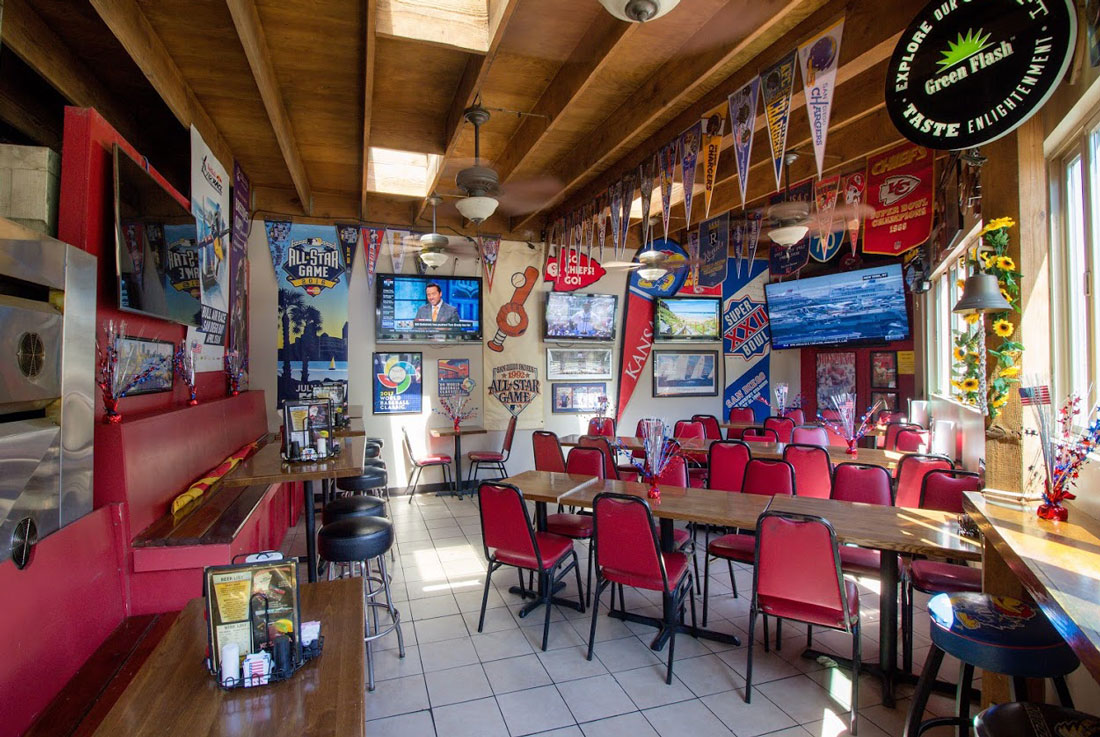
pixel 298 92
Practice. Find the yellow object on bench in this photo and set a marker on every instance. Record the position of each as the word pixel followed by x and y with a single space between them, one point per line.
pixel 197 489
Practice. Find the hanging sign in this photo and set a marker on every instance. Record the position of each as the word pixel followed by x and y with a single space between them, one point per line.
pixel 852 186
pixel 601 224
pixel 624 220
pixel 690 142
pixel 512 342
pixel 490 249
pixel 777 86
pixel 746 340
pixel 742 105
pixel 899 187
pixel 818 60
pixel 667 172
pixel 615 202
pixel 826 243
pixel 714 127
pixel 645 183
pixel 349 241
pixel 239 267
pixel 372 242
pixel 580 271
pixel 714 245
pixel 396 240
pixel 210 204
pixel 966 73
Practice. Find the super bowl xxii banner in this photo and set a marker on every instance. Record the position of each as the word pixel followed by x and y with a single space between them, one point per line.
pixel 313 308
pixel 746 339
pixel 211 207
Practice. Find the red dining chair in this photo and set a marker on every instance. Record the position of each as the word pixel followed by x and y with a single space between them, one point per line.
pixel 913 441
pixel 782 426
pixel 726 461
pixel 419 463
pixel 600 443
pixel 910 476
pixel 831 415
pixel 943 490
pixel 885 417
pixel 813 469
pixel 835 439
pixel 547 452
pixel 861 482
pixel 584 462
pixel 810 435
pixel 740 414
pixel 602 426
pixel 712 430
pixel 676 474
pixel 759 435
pixel 628 553
pixel 797 577
pixel 890 440
pixel 510 540
pixel 764 477
pixel 493 459
pixel 796 415
pixel 697 460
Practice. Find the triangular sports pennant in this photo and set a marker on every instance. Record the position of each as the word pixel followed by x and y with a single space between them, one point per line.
pixel 714 127
pixel 646 172
pixel 490 249
pixel 278 235
pixel 615 202
pixel 588 227
pixel 852 187
pixel 349 241
pixel 742 105
pixel 624 219
pixel 396 240
pixel 826 242
pixel 818 59
pixel 693 254
pixel 668 157
pixel 776 88
pixel 738 227
pixel 690 142
pixel 372 243
pixel 754 219
pixel 601 224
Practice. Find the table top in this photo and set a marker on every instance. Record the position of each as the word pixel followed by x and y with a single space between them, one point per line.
pixel 354 429
pixel 888 459
pixel 449 432
pixel 1057 562
pixel 873 432
pixel 266 466
pixel 173 694
pixel 914 531
pixel 355 411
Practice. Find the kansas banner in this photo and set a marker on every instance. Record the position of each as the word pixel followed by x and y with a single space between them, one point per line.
pixel 899 187
pixel 238 267
pixel 777 86
pixel 513 361
pixel 818 59
pixel 714 127
pixel 742 105
pixel 690 142
pixel 746 340
pixel 313 308
pixel 210 205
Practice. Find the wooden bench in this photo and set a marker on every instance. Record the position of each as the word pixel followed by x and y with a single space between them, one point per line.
pixel 217 518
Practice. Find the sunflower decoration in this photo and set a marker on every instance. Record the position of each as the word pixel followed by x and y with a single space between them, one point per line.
pixel 969 384
pixel 960 353
pixel 1003 328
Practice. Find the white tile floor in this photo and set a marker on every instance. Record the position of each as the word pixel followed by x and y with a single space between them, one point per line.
pixel 454 681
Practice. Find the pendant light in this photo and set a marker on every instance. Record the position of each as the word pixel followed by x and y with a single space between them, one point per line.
pixel 432 244
pixel 638 11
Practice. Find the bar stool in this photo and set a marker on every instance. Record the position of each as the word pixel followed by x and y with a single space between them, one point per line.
pixel 372 478
pixel 348 507
pixel 361 540
pixel 994 633
pixel 1022 719
pixel 371 487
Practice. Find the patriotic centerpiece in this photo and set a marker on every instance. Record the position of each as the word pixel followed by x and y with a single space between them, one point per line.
pixel 658 451
pixel 1064 449
pixel 602 404
pixel 455 409
pixel 184 361
pixel 844 405
pixel 119 375
pixel 235 367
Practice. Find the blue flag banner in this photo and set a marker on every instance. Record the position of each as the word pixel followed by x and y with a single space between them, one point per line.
pixel 746 339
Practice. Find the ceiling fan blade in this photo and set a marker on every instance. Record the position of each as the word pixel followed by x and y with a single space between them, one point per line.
pixel 524 196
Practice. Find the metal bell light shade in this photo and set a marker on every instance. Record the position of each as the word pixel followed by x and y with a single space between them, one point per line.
pixel 981 293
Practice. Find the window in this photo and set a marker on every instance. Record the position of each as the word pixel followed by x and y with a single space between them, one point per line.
pixel 941 323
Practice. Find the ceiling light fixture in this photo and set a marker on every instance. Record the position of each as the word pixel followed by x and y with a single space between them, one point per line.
pixel 434 259
pixel 638 11
pixel 788 235
pixel 652 273
pixel 477 209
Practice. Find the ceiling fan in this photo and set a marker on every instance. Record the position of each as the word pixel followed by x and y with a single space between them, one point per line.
pixel 789 221
pixel 435 249
pixel 653 264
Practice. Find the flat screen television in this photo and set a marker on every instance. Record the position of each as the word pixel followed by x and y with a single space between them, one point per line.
pixel 865 306
pixel 687 318
pixel 424 309
pixel 156 250
pixel 573 316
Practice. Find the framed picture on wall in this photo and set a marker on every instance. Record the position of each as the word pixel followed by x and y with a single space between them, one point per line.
pixel 884 370
pixel 836 374
pixel 578 397
pixel 889 401
pixel 135 354
pixel 398 383
pixel 578 363
pixel 685 373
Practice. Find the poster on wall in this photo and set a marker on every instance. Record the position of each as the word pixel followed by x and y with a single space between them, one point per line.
pixel 398 385
pixel 899 187
pixel 454 377
pixel 685 373
pixel 312 308
pixel 746 339
pixel 238 267
pixel 210 205
pixel 513 387
pixel 836 374
pixel 578 397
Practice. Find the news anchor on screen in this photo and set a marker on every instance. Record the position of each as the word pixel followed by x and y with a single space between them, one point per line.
pixel 436 310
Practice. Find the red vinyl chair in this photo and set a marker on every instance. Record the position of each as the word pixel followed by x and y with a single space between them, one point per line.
pixel 892 429
pixel 810 435
pixel 813 469
pixel 628 553
pixel 510 540
pixel 600 443
pixel 584 462
pixel 602 426
pixel 739 414
pixel 783 427
pixel 759 435
pixel 835 438
pixel 861 482
pixel 547 452
pixel 762 476
pixel 913 441
pixel 419 463
pixel 697 460
pixel 797 577
pixel 712 430
pixel 726 461
pixel 831 415
pixel 910 476
pixel 885 417
pixel 796 415
pixel 676 474
pixel 493 459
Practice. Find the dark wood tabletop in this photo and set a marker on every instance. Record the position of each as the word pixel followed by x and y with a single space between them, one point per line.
pixel 449 432
pixel 173 695
pixel 876 431
pixel 354 429
pixel 266 466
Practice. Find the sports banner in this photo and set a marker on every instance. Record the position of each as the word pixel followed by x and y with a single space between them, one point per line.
pixel 645 183
pixel 638 319
pixel 742 105
pixel 691 278
pixel 818 59
pixel 629 185
pixel 601 224
pixel 513 361
pixel 714 244
pixel 313 308
pixel 853 186
pixel 666 173
pixel 615 202
pixel 777 86
pixel 714 127
pixel 690 142
pixel 490 251
pixel 899 187
pixel 826 243
pixel 746 340
pixel 372 243
pixel 238 267
pixel 349 241
pixel 396 241
pixel 210 205
pixel 571 270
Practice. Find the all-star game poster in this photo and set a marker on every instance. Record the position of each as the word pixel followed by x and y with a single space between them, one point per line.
pixel 211 208
pixel 313 308
pixel 746 339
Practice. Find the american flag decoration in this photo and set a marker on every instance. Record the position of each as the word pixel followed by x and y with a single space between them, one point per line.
pixel 1034 395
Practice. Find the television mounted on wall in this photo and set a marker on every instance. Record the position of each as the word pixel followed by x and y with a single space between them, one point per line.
pixel 426 309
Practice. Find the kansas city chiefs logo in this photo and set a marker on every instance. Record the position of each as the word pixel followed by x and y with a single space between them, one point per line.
pixel 896 188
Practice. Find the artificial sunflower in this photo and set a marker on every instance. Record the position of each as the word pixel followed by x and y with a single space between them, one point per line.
pixel 1000 400
pixel 1003 328
pixel 972 318
pixel 957 384
pixel 997 224
pixel 1010 372
pixel 960 283
pixel 960 353
pixel 988 261
pixel 1005 263
pixel 969 384
pixel 1006 295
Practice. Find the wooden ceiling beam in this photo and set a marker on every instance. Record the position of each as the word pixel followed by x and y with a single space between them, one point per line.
pixel 368 97
pixel 137 36
pixel 246 19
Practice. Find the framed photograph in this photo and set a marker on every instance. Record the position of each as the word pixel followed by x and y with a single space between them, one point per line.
pixel 685 373
pixel 889 401
pixel 398 384
pixel 578 363
pixel 454 377
pixel 836 374
pixel 884 369
pixel 136 353
pixel 578 397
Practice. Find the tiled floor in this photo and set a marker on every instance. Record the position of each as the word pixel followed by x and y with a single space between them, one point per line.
pixel 454 681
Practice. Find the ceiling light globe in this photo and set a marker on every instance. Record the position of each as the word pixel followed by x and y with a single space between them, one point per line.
pixel 477 209
pixel 434 259
pixel 638 11
pixel 652 273
pixel 788 235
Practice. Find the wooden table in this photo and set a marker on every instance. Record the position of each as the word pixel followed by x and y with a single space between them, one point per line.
pixel 266 466
pixel 173 695
pixel 876 432
pixel 450 432
pixel 354 429
pixel 355 411
pixel 1056 563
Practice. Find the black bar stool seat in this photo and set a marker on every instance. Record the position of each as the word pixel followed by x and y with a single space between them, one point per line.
pixel 355 539
pixel 371 478
pixel 372 450
pixel 1021 719
pixel 347 507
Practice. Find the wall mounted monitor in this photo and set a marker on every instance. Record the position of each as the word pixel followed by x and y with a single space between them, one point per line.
pixel 687 318
pixel 574 316
pixel 425 309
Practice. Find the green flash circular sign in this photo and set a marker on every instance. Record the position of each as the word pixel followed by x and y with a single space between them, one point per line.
pixel 967 72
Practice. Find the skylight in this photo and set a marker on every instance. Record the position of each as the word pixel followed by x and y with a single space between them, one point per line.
pixel 400 172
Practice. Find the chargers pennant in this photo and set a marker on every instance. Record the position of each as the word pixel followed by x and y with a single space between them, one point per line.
pixel 742 105
pixel 690 142
pixel 668 156
pixel 645 184
pixel 624 220
pixel 852 186
pixel 372 242
pixel 776 87
pixel 818 59
pixel 714 127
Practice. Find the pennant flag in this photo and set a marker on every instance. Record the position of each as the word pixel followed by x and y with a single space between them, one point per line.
pixel 587 214
pixel 742 105
pixel 396 241
pixel 615 202
pixel 490 249
pixel 853 186
pixel 714 246
pixel 693 253
pixel 714 127
pixel 349 241
pixel 818 59
pixel 372 242
pixel 624 221
pixel 777 86
pixel 690 142
pixel 601 224
pixel 754 221
pixel 645 182
pixel 830 236
pixel 278 237
pixel 738 226
pixel 900 189
pixel 668 156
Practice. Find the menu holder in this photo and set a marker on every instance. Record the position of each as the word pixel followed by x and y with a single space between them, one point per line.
pixel 308 430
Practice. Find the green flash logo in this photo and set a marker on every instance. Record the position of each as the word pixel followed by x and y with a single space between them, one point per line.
pixel 963 48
